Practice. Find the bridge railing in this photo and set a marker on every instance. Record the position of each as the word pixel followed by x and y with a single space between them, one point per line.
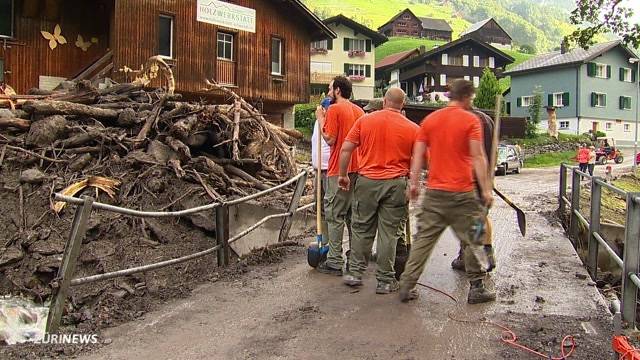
pixel 84 206
pixel 630 261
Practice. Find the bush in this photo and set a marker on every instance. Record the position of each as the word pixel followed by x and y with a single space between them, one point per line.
pixel 305 116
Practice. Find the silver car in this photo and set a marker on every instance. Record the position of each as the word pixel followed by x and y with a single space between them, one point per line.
pixel 508 160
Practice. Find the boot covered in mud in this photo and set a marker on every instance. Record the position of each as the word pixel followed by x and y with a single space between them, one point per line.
pixel 458 263
pixel 478 293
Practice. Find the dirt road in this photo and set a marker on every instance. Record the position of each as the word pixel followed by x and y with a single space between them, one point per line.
pixel 288 311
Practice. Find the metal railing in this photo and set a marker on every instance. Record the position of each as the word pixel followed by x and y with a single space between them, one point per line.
pixel 85 205
pixel 630 261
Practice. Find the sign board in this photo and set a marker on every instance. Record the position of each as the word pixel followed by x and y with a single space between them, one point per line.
pixel 228 15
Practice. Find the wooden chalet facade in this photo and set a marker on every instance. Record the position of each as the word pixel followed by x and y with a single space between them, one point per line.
pixel 489 31
pixel 406 23
pixel 434 70
pixel 263 55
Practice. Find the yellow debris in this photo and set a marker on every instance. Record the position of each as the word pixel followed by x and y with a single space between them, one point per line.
pixel 105 184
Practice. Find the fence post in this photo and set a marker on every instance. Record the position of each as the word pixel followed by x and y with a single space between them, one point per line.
pixel 594 226
pixel 69 258
pixel 295 200
pixel 631 260
pixel 222 234
pixel 563 189
pixel 575 203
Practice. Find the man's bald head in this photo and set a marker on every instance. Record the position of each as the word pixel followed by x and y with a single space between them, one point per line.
pixel 394 98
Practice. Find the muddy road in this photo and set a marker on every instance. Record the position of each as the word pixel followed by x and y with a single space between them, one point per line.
pixel 285 310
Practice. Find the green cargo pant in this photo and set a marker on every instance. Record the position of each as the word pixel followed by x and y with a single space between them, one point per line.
pixel 377 205
pixel 337 207
pixel 439 209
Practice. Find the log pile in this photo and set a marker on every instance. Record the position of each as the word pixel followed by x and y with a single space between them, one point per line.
pixel 229 149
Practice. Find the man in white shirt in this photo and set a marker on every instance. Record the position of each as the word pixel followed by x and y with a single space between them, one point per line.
pixel 326 149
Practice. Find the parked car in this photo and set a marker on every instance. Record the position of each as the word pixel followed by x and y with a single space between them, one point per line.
pixel 607 150
pixel 508 160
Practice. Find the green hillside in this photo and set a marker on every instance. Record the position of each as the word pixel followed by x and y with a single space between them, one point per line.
pixel 538 23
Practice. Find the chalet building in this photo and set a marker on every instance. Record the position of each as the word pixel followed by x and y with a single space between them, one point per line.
pixel 434 70
pixel 406 23
pixel 259 48
pixel 491 32
pixel 589 90
pixel 386 64
pixel 352 54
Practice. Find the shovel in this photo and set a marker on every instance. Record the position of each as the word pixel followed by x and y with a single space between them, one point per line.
pixel 316 252
pixel 522 220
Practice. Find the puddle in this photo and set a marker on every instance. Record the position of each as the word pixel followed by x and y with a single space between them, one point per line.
pixel 21 321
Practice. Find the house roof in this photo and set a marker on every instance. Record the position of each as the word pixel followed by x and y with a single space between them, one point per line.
pixel 318 29
pixel 435 24
pixel 394 58
pixel 451 44
pixel 477 26
pixel 396 17
pixel 375 36
pixel 574 56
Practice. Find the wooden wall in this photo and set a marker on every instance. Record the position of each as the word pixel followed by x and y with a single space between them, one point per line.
pixel 28 55
pixel 136 36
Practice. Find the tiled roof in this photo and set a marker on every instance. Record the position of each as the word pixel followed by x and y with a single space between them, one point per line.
pixel 475 27
pixel 392 59
pixel 435 24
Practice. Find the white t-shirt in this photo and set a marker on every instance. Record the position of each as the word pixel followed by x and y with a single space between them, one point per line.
pixel 326 149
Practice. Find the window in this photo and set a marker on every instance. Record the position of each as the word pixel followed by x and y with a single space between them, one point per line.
pixel 557 99
pixel 465 60
pixel 601 71
pixel 564 124
pixel 627 127
pixel 476 81
pixel 625 75
pixel 322 44
pixel 445 59
pixel 492 62
pixel 456 61
pixel 527 101
pixel 276 56
pixel 225 46
pixel 466 77
pixel 443 79
pixel 6 18
pixel 357 70
pixel 608 126
pixel 357 44
pixel 598 99
pixel 321 67
pixel 165 36
pixel 625 103
pixel 476 61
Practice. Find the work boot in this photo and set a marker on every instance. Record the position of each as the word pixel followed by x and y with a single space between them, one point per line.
pixel 478 293
pixel 408 294
pixel 458 263
pixel 387 288
pixel 326 269
pixel 352 280
pixel 488 249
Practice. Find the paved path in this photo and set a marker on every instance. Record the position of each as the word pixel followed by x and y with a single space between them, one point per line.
pixel 288 311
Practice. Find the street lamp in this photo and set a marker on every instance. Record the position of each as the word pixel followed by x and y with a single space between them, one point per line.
pixel 635 143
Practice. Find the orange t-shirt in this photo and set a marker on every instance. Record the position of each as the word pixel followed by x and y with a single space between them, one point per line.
pixel 446 133
pixel 385 141
pixel 339 120
pixel 583 155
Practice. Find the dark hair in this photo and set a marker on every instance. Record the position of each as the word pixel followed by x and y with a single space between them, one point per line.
pixel 344 84
pixel 461 89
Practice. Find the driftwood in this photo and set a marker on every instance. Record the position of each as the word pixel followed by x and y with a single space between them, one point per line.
pixel 243 175
pixel 15 123
pixel 53 107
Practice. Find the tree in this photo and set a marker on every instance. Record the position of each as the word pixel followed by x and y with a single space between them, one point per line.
pixel 534 113
pixel 527 49
pixel 488 89
pixel 601 16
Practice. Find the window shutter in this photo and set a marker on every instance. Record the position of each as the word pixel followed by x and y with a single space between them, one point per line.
pixel 604 97
pixel 346 44
pixel 565 99
pixel 368 45
pixel 492 62
pixel 621 74
pixel 330 44
pixel 368 71
pixel 550 100
pixel 519 102
pixel 593 99
pixel 346 69
pixel 591 69
pixel 621 102
pixel 465 60
pixel 476 61
pixel 443 79
pixel 445 59
pixel 608 71
pixel 508 108
pixel 633 75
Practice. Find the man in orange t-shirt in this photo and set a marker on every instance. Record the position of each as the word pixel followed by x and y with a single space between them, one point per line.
pixel 335 124
pixel 454 138
pixel 384 140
